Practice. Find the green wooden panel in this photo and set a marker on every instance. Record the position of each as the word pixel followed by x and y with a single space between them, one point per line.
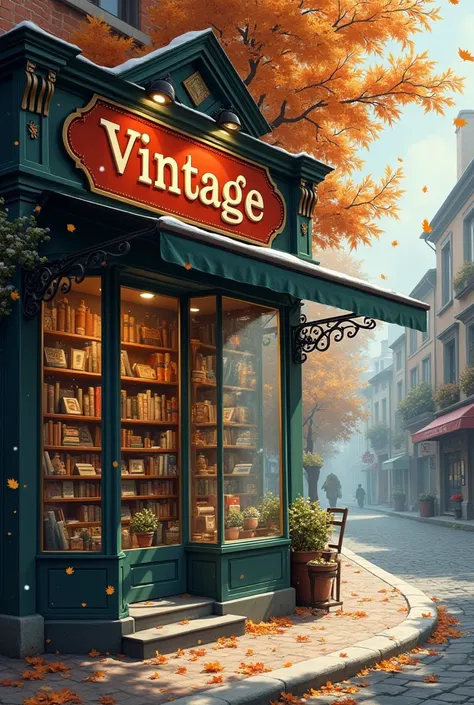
pixel 203 575
pixel 153 573
pixel 67 592
pixel 255 569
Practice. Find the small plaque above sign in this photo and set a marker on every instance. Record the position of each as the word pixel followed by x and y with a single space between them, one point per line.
pixel 197 89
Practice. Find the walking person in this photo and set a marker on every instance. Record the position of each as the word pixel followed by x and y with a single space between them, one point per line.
pixel 360 496
pixel 332 487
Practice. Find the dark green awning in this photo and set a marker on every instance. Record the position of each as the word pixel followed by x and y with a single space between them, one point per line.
pixel 193 248
pixel 399 462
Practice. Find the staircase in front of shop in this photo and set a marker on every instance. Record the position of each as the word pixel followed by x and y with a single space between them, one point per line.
pixel 177 623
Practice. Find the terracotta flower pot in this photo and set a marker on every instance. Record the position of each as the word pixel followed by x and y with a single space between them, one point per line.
pixel 145 539
pixel 232 534
pixel 458 512
pixel 250 523
pixel 426 507
pixel 399 503
pixel 323 579
pixel 246 533
pixel 299 575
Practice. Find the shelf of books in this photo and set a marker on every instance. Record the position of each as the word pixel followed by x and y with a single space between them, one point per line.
pixel 72 420
pixel 150 420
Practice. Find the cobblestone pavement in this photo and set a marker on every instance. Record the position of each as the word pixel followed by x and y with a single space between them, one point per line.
pixel 439 561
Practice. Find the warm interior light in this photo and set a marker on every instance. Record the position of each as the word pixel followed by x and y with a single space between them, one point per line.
pixel 194 310
pixel 160 98
pixel 231 126
pixel 147 295
pixel 229 120
pixel 162 91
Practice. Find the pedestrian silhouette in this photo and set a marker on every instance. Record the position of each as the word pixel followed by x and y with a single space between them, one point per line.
pixel 332 487
pixel 360 496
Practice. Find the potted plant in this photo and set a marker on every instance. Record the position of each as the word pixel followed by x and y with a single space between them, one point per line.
pixel 466 380
pixel 398 497
pixel 464 278
pixel 312 463
pixel 233 524
pixel 426 504
pixel 457 499
pixel 378 435
pixel 251 517
pixel 86 539
pixel 419 400
pixel 144 524
pixel 447 394
pixel 321 573
pixel 310 528
pixel 269 510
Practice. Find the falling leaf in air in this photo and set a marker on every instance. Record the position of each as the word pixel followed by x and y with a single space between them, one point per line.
pixel 115 464
pixel 14 295
pixel 70 227
pixel 431 679
pixel 13 484
pixel 83 604
pixel 69 570
pixel 394 243
pixel 425 189
pixel 94 653
pixel 454 2
pixel 383 276
pixel 16 143
pixel 187 266
pixel 426 226
pixel 37 209
pixel 109 590
pixel 460 122
pixel 399 159
pixel 465 55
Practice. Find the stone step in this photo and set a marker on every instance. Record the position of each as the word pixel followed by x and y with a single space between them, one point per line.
pixel 169 610
pixel 204 630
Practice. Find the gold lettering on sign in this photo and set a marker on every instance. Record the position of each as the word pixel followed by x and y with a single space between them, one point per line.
pixel 197 89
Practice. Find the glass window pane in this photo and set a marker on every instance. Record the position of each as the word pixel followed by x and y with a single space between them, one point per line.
pixel 251 420
pixel 204 450
pixel 150 419
pixel 111 6
pixel 71 453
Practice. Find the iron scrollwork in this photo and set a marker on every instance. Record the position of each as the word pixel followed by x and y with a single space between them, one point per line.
pixel 44 281
pixel 318 335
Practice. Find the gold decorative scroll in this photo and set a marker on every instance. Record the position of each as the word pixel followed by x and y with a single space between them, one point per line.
pixel 308 199
pixel 38 101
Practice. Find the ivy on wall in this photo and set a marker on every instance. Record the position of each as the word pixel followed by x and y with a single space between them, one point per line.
pixel 19 241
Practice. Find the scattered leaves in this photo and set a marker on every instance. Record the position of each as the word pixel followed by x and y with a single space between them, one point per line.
pixel 445 628
pixel 253 669
pixel 214 680
pixel 13 484
pixel 107 700
pixel 431 679
pixel 54 697
pixel 95 677
pixel 213 667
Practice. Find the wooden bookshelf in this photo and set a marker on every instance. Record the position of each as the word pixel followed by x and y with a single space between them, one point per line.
pixel 66 372
pixel 140 422
pixel 69 336
pixel 149 477
pixel 230 424
pixel 84 500
pixel 85 478
pixel 80 449
pixel 142 346
pixel 213 348
pixel 128 497
pixel 152 382
pixel 148 450
pixel 73 417
pixel 207 447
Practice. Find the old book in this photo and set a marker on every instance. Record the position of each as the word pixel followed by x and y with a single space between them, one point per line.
pixel 131 328
pixel 68 489
pixel 80 399
pixel 90 392
pixel 94 356
pixel 89 323
pixel 125 330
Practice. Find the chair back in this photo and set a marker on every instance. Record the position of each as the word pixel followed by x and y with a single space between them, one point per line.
pixel 339 518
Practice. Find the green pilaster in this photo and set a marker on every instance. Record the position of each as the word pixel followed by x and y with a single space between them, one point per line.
pixel 294 413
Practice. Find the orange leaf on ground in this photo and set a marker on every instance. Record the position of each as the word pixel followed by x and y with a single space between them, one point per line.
pixel 215 679
pixel 95 677
pixel 213 667
pixel 249 652
pixel 198 652
pixel 107 700
pixel 181 671
pixel 389 666
pixel 252 669
pixel 403 609
pixel 426 615
pixel 431 679
pixel 35 675
pixel 184 621
pixel 54 697
pixel 433 652
pixel 346 701
pixel 302 638
pixel 287 664
pixel 94 653
pixel 406 660
pixel 435 599
pixel 354 594
pixel 155 676
pixel 343 654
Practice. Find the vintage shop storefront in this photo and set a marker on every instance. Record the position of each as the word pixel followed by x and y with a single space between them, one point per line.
pixel 168 378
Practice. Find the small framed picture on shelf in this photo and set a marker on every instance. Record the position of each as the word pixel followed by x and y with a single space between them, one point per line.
pixel 251 488
pixel 242 469
pixel 71 406
pixel 144 371
pixel 78 359
pixel 55 357
pixel 84 469
pixel 128 488
pixel 228 414
pixel 125 369
pixel 136 466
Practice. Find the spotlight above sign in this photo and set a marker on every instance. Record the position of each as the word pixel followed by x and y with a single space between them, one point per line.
pixel 151 165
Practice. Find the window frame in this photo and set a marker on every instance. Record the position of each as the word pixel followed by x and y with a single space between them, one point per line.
pixel 412 371
pixel 398 360
pixel 413 341
pixel 451 341
pixel 376 412
pixel 399 391
pixel 425 360
pixel 447 290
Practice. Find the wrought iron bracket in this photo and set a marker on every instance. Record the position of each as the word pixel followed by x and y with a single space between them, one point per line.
pixel 318 335
pixel 43 282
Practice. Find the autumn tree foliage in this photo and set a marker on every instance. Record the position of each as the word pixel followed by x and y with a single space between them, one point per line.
pixel 329 76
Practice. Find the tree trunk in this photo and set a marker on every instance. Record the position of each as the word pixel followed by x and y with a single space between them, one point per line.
pixel 313 473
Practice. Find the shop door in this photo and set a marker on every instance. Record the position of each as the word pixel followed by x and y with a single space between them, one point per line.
pixel 453 474
pixel 151 504
pixel 423 475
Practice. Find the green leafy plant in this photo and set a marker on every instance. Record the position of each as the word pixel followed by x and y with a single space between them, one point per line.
pixel 466 380
pixel 419 400
pixel 19 240
pixel 269 509
pixel 234 519
pixel 378 435
pixel 447 394
pixel 463 274
pixel 84 534
pixel 310 525
pixel 426 497
pixel 144 522
pixel 398 493
pixel 321 561
pixel 398 439
pixel 312 460
pixel 251 513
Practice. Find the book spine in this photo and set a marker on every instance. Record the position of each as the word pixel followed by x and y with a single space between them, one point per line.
pixel 126 328
pixel 86 405
pixel 90 392
pixel 98 401
pixel 57 404
pixel 73 320
pixel 131 329
pixel 95 324
pixel 54 316
pixel 94 356
pixel 89 323
pixel 80 400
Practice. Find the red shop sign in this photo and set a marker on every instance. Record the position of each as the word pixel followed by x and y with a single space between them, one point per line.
pixel 138 160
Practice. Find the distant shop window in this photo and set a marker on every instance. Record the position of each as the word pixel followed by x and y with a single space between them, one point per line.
pixel 426 370
pixel 126 10
pixel 414 377
pixel 399 391
pixel 384 411
pixel 376 411
pixel 469 241
pixel 446 274
pixel 413 340
pixel 398 360
pixel 449 361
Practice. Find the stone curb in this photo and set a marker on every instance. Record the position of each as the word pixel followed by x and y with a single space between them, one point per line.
pixel 424 520
pixel 259 690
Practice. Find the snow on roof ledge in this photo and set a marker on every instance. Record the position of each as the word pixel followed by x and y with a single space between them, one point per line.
pixel 35 28
pixel 182 39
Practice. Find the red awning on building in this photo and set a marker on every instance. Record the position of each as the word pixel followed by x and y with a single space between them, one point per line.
pixel 454 421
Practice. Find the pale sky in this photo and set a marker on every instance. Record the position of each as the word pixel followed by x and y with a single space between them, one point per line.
pixel 427 145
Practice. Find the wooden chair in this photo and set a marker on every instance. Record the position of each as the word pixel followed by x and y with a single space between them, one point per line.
pixel 339 518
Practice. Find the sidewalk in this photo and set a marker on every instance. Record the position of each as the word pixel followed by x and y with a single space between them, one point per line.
pixel 448 521
pixel 382 616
